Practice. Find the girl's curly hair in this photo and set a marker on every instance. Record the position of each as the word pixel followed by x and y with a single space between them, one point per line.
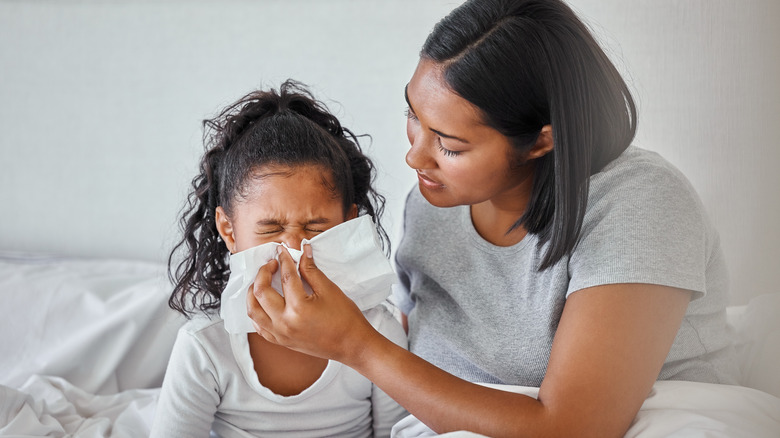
pixel 287 127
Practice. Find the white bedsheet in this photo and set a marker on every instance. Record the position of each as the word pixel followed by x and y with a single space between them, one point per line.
pixel 102 325
pixel 673 409
pixel 52 407
pixel 84 345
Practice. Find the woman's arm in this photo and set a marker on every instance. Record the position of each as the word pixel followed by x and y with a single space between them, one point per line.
pixel 608 350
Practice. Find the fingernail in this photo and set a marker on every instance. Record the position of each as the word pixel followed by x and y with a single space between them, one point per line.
pixel 307 251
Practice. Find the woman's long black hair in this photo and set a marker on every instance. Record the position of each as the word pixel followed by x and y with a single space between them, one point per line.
pixel 289 128
pixel 530 63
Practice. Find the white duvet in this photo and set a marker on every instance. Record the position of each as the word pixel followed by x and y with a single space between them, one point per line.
pixel 52 407
pixel 84 344
pixel 673 409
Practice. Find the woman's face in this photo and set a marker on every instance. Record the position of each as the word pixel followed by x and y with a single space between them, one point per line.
pixel 458 158
pixel 284 205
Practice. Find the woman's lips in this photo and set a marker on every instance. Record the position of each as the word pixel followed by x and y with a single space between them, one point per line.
pixel 427 182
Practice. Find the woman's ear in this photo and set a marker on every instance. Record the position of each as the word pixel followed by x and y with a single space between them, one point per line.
pixel 544 143
pixel 225 229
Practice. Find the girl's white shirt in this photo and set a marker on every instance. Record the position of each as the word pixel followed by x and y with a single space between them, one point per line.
pixel 211 383
pixel 211 386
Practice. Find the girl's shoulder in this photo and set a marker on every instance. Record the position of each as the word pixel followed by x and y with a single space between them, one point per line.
pixel 204 325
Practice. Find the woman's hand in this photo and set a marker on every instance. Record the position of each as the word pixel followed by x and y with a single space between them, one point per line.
pixel 326 323
pixel 610 345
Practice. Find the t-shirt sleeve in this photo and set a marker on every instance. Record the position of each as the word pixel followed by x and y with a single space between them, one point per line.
pixel 400 296
pixel 189 396
pixel 385 411
pixel 644 224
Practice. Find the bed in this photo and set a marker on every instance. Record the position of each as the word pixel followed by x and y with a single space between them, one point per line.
pixel 85 343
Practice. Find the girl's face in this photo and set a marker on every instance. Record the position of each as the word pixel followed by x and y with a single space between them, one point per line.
pixel 284 205
pixel 458 158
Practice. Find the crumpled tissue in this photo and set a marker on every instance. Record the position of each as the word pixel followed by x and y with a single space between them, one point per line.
pixel 349 254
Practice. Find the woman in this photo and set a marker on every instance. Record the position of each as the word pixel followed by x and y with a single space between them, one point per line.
pixel 539 249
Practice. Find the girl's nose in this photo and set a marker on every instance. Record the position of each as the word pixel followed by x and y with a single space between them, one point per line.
pixel 293 239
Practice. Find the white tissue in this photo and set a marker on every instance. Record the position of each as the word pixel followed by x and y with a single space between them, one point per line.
pixel 348 254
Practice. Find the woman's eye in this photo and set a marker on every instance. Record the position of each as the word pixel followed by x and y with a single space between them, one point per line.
pixel 445 151
pixel 410 114
pixel 312 230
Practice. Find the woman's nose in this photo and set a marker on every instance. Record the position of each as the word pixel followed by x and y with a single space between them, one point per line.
pixel 419 156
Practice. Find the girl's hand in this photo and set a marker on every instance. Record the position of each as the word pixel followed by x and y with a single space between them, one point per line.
pixel 325 324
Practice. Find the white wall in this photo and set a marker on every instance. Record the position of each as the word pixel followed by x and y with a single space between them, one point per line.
pixel 705 75
pixel 101 104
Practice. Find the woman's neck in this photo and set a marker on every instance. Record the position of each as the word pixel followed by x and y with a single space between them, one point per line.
pixel 494 218
pixel 493 224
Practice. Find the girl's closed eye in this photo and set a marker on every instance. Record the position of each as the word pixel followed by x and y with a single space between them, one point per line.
pixel 410 114
pixel 271 231
pixel 308 229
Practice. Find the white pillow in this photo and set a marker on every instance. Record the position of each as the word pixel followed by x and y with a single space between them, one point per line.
pixel 103 325
pixel 757 328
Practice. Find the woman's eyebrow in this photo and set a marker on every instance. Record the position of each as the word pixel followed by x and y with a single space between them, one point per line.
pixel 437 132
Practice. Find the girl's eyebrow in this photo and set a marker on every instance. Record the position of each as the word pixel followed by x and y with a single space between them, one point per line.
pixel 437 132
pixel 278 222
pixel 318 221
pixel 267 222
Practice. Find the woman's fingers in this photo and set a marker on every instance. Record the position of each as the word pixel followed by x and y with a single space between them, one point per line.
pixel 292 286
pixel 260 319
pixel 318 281
pixel 318 324
pixel 269 311
pixel 262 290
pixel 263 302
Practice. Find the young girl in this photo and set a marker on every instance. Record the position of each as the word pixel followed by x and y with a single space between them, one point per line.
pixel 278 168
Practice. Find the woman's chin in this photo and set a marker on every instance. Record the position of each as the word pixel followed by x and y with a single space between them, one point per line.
pixel 438 197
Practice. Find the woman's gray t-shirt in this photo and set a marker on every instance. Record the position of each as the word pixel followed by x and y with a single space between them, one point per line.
pixel 486 314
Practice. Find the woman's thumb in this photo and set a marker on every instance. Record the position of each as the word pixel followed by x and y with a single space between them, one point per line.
pixel 311 273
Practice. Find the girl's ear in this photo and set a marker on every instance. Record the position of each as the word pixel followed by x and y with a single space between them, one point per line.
pixel 544 144
pixel 225 229
pixel 352 213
